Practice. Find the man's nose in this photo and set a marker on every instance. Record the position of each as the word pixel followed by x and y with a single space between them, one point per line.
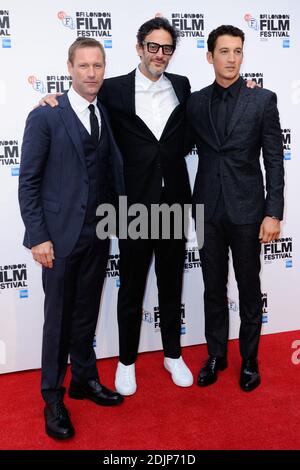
pixel 91 71
pixel 160 52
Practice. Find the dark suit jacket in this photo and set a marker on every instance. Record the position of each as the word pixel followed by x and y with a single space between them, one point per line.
pixel 235 164
pixel 146 159
pixel 53 183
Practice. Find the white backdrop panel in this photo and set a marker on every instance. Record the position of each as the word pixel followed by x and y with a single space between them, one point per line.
pixel 33 48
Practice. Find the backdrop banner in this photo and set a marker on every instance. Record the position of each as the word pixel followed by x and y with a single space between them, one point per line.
pixel 34 40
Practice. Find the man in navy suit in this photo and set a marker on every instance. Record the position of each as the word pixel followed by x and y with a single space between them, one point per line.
pixel 231 124
pixel 70 164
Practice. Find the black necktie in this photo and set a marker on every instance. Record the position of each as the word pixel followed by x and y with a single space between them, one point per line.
pixel 94 125
pixel 222 116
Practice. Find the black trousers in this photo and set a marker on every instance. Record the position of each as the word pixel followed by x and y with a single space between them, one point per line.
pixel 72 298
pixel 219 235
pixel 135 259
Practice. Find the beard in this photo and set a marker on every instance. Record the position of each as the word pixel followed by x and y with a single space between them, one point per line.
pixel 154 70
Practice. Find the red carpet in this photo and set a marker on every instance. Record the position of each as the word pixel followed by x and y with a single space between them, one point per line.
pixel 163 416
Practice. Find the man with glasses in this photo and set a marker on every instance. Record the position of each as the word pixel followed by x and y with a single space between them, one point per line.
pixel 147 111
pixel 153 47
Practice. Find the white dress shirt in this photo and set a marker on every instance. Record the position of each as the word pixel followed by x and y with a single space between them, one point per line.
pixel 154 101
pixel 81 108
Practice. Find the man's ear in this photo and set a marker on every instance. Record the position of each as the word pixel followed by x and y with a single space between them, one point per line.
pixel 139 49
pixel 209 57
pixel 70 66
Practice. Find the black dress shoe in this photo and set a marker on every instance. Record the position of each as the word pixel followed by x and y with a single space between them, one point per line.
pixel 57 421
pixel 250 378
pixel 209 373
pixel 93 390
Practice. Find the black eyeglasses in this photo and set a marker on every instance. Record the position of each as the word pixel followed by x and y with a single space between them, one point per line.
pixel 153 47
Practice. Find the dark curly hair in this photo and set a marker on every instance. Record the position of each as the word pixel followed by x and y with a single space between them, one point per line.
pixel 157 23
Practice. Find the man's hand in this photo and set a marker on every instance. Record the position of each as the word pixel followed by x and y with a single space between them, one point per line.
pixel 49 99
pixel 269 230
pixel 249 83
pixel 43 254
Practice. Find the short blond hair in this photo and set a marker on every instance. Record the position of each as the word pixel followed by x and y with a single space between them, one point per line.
pixel 84 42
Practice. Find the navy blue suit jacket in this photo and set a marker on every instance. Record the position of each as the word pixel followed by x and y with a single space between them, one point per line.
pixel 53 183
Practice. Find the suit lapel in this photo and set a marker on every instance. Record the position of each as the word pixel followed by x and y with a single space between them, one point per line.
pixel 69 119
pixel 179 92
pixel 238 111
pixel 208 96
pixel 128 97
pixel 177 86
pixel 239 108
pixel 128 92
pixel 105 118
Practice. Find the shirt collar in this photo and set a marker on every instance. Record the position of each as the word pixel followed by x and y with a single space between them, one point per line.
pixel 79 103
pixel 148 84
pixel 232 90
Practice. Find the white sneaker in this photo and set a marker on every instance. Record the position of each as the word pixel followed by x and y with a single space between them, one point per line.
pixel 181 374
pixel 125 382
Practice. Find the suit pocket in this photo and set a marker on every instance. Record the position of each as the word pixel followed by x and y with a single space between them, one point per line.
pixel 51 206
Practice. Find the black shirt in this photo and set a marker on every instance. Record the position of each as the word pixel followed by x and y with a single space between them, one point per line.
pixel 233 92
